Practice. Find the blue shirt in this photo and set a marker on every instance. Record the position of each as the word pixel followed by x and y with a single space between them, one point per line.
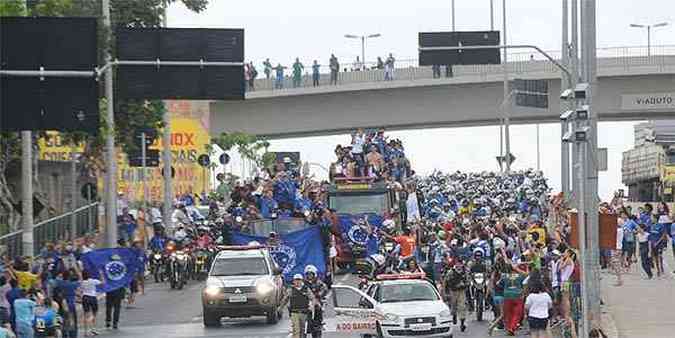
pixel 24 309
pixel 315 69
pixel 672 232
pixel 656 231
pixel 69 289
pixel 629 228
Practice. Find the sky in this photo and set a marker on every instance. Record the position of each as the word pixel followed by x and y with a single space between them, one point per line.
pixel 313 29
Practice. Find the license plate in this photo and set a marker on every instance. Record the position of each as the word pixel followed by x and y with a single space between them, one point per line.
pixel 238 299
pixel 420 327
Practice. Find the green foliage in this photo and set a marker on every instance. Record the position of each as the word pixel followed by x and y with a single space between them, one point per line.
pixel 12 8
pixel 248 146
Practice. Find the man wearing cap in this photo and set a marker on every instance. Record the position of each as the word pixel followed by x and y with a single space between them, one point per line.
pixel 300 298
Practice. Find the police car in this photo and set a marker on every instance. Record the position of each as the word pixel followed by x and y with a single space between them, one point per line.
pixel 244 281
pixel 393 306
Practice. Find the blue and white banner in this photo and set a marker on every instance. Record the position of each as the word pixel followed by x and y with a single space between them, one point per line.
pixel 118 266
pixel 354 231
pixel 295 250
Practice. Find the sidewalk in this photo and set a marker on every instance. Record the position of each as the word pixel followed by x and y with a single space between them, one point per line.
pixel 641 308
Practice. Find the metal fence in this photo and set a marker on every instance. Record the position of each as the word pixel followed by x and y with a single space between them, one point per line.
pixel 55 229
pixel 624 58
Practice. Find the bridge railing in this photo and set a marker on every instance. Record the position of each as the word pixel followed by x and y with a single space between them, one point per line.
pixel 54 229
pixel 626 58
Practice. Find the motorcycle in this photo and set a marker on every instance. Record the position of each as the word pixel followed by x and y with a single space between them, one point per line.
pixel 478 293
pixel 201 265
pixel 179 268
pixel 156 266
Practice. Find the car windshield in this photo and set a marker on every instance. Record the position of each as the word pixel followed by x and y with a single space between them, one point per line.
pixel 407 293
pixel 239 267
pixel 359 204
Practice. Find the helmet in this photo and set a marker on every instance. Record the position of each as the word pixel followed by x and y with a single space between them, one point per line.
pixel 311 269
pixel 297 276
pixel 442 235
pixel 478 252
pixel 498 243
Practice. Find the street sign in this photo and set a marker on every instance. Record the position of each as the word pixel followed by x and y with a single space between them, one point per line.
pixel 89 191
pixel 151 158
pixel 530 93
pixel 224 159
pixel 204 160
pixel 180 82
pixel 49 103
pixel 150 136
pixel 459 39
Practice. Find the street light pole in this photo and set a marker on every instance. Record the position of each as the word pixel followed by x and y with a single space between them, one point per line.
pixel 507 112
pixel 649 33
pixel 363 43
pixel 452 5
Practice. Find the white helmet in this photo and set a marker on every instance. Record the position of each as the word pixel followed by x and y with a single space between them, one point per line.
pixel 479 251
pixel 311 269
pixel 498 243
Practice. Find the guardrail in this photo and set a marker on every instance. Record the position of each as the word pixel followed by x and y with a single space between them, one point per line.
pixel 54 229
pixel 624 58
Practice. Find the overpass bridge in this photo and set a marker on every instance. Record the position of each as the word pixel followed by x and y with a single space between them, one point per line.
pixel 631 86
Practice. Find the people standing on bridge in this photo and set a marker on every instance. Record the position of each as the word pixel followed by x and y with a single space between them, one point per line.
pixel 252 74
pixel 316 67
pixel 436 71
pixel 358 65
pixel 334 69
pixel 279 71
pixel 267 68
pixel 389 68
pixel 298 67
pixel 380 63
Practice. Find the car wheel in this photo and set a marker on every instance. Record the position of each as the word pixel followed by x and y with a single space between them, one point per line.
pixel 211 319
pixel 273 316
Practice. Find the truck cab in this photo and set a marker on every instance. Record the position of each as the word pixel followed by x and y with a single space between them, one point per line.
pixel 352 199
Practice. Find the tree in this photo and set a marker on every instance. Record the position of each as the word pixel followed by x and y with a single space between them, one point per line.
pixel 129 114
pixel 250 147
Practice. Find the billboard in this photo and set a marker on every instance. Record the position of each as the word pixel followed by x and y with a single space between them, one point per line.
pixel 189 137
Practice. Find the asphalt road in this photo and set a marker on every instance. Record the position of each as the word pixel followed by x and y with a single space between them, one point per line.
pixel 165 313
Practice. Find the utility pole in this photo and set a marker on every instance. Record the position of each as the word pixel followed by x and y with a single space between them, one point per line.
pixel 452 5
pixel 589 53
pixel 27 193
pixel 574 63
pixel 110 156
pixel 73 192
pixel 167 210
pixel 492 15
pixel 565 148
pixel 507 111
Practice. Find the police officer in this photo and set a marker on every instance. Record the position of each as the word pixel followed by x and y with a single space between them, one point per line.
pixel 455 285
pixel 300 297
pixel 319 291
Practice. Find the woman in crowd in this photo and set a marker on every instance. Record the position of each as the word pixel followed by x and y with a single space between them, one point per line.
pixel 537 306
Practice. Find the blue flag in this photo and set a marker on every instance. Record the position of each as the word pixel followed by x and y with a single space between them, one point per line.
pixel 353 233
pixel 295 251
pixel 118 266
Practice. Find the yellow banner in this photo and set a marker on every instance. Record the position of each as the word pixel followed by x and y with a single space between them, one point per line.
pixel 669 174
pixel 189 138
pixel 188 141
pixel 52 148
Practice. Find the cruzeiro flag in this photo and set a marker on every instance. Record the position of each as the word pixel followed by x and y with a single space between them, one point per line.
pixel 296 250
pixel 118 266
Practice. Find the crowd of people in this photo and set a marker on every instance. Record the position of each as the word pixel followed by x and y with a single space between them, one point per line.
pixel 53 295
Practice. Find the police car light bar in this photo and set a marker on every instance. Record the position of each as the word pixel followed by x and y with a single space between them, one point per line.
pixel 240 247
pixel 402 276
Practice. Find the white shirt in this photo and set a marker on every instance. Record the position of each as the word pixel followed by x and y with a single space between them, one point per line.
pixel 554 273
pixel 88 287
pixel 357 145
pixel 642 236
pixel 619 237
pixel 538 305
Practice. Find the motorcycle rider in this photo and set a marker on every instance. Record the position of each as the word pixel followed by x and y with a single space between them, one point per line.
pixel 299 299
pixel 319 290
pixel 455 285
pixel 204 240
pixel 158 241
pixel 477 265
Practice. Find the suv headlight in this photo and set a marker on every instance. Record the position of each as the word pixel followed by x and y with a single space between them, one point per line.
pixel 264 287
pixel 445 314
pixel 212 290
pixel 390 317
